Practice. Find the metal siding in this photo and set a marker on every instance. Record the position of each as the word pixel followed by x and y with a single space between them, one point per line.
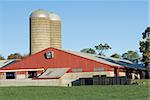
pixel 61 60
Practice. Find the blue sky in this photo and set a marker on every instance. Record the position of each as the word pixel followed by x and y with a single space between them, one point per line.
pixel 85 23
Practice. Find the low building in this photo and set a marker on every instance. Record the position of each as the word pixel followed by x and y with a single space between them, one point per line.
pixel 64 66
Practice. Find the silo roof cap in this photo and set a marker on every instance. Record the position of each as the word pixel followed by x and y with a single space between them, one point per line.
pixel 40 13
pixel 54 16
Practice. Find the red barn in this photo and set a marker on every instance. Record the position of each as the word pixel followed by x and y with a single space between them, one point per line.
pixel 53 63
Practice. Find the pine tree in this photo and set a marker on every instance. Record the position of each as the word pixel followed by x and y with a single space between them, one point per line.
pixel 145 50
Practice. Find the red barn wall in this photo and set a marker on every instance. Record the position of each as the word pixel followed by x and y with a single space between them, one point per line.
pixel 61 59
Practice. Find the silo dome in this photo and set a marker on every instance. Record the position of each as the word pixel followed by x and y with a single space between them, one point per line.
pixel 54 16
pixel 40 13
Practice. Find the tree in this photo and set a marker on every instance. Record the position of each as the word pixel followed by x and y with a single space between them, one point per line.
pixel 101 48
pixel 15 56
pixel 115 55
pixel 1 57
pixel 88 50
pixel 145 50
pixel 131 56
pixel 25 56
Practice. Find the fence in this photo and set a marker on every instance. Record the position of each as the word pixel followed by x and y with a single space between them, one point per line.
pixel 102 81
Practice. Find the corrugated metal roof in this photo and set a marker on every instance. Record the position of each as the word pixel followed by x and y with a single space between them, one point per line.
pixel 108 60
pixel 122 62
pixel 114 62
pixel 93 57
pixel 54 73
pixel 4 63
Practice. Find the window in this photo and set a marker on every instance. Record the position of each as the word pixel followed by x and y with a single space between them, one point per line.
pixel 49 55
pixel 10 75
pixel 98 69
pixel 32 74
pixel 77 70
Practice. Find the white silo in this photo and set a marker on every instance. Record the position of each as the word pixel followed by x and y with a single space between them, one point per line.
pixel 39 31
pixel 45 30
pixel 55 30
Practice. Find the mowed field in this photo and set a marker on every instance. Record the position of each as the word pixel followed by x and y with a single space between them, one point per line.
pixel 110 92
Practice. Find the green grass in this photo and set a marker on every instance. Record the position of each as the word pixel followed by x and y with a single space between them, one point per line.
pixel 126 92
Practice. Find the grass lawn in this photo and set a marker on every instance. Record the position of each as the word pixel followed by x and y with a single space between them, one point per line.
pixel 126 92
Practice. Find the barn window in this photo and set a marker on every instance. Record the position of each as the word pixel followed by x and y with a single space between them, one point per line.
pixel 77 70
pixel 98 69
pixel 10 75
pixel 32 74
pixel 49 55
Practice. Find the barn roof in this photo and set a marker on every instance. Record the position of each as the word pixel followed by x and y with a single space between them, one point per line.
pixel 54 73
pixel 122 62
pixel 101 59
pixel 4 63
pixel 109 60
pixel 93 57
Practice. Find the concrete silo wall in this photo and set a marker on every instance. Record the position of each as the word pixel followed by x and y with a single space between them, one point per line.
pixel 39 34
pixel 55 33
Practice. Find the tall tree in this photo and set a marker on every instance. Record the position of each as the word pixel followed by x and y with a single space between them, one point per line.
pixel 1 57
pixel 116 55
pixel 145 50
pixel 88 50
pixel 15 56
pixel 131 56
pixel 25 56
pixel 101 48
